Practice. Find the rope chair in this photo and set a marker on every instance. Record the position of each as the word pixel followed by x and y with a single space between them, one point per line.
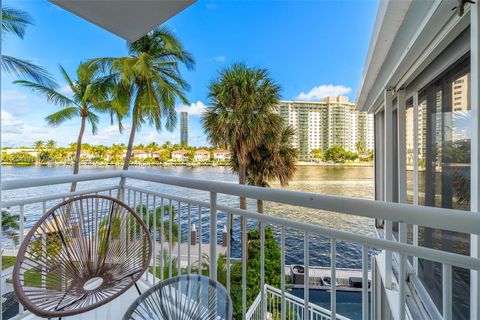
pixel 80 255
pixel 187 297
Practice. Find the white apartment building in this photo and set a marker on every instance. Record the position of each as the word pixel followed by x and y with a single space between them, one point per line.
pixel 330 122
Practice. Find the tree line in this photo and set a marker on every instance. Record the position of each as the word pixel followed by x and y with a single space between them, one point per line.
pixel 48 152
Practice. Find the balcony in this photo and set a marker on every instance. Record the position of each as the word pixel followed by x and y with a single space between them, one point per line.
pixel 212 208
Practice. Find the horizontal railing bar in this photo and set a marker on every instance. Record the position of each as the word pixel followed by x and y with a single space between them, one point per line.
pixel 446 219
pixel 168 196
pixel 18 202
pixel 422 252
pixel 12 184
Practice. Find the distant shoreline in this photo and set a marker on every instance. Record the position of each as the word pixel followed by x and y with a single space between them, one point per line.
pixel 180 164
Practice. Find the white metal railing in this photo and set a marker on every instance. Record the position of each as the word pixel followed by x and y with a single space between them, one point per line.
pixel 178 255
pixel 294 307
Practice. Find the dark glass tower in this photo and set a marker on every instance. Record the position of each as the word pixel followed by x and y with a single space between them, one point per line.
pixel 184 128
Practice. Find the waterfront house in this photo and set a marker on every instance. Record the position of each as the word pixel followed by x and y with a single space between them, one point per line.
pixel 421 83
pixel 140 154
pixel 202 155
pixel 221 155
pixel 29 151
pixel 180 155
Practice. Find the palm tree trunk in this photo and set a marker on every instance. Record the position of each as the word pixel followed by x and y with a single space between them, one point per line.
pixel 76 163
pixel 260 206
pixel 126 163
pixel 241 180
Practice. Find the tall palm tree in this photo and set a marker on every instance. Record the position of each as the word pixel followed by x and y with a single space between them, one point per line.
pixel 149 81
pixel 51 144
pixel 240 113
pixel 38 146
pixel 273 160
pixel 15 21
pixel 90 95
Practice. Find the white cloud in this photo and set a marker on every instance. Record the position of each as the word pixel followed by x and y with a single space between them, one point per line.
pixel 194 109
pixel 16 132
pixel 322 91
pixel 66 90
pixel 15 102
pixel 220 58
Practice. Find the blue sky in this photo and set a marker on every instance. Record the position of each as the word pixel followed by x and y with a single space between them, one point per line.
pixel 312 49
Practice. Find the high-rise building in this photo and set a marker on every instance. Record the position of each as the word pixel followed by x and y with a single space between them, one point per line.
pixel 334 121
pixel 184 128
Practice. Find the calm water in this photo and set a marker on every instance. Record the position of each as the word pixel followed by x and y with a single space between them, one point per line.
pixel 351 182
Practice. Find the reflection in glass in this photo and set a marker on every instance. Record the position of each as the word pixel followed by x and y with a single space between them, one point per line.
pixel 444 176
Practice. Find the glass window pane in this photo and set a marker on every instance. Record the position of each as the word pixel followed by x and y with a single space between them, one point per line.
pixel 444 176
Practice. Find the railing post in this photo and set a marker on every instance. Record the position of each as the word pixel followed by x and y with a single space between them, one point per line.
pixel 306 276
pixel 364 282
pixel 415 174
pixel 447 291
pixel 282 274
pixel 333 278
pixel 213 236
pixel 263 308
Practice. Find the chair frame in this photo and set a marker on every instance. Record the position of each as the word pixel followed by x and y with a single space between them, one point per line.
pixel 19 288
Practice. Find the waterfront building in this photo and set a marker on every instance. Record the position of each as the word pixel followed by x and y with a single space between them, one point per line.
pixel 184 128
pixel 334 121
pixel 202 155
pixel 30 151
pixel 421 81
pixel 221 155
pixel 180 155
pixel 140 154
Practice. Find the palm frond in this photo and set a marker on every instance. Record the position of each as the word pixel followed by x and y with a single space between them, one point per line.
pixel 26 69
pixel 63 115
pixel 93 119
pixel 15 21
pixel 50 94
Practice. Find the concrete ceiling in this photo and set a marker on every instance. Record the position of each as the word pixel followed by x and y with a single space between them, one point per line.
pixel 128 19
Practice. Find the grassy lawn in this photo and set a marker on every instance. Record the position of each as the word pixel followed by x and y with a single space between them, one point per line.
pixel 7 261
pixel 33 278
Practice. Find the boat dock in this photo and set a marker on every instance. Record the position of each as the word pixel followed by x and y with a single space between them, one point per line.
pixel 320 277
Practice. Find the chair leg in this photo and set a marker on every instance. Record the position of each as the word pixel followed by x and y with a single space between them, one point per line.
pixel 138 289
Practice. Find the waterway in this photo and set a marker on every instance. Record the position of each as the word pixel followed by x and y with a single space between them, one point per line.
pixel 344 181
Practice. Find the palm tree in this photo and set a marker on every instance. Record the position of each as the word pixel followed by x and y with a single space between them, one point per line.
pixel 15 21
pixel 240 113
pixel 51 144
pixel 273 160
pixel 90 96
pixel 38 146
pixel 149 81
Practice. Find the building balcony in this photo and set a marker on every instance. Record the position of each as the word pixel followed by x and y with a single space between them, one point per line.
pixel 189 247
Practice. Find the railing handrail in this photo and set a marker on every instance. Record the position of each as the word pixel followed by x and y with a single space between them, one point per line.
pixel 440 218
pixel 300 302
pixel 56 196
pixel 11 184
pixel 446 219
pixel 453 259
pixel 253 306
